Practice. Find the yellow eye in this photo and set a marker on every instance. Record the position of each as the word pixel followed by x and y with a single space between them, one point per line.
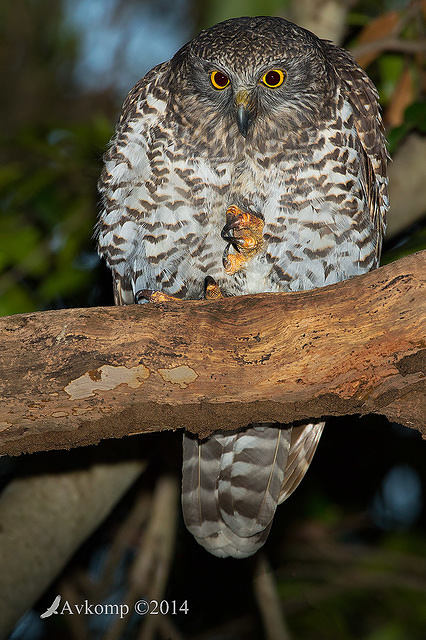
pixel 219 80
pixel 273 78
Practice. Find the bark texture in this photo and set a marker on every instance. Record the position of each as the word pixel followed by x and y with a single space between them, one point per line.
pixel 72 377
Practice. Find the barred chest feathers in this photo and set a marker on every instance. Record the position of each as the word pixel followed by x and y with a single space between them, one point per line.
pixel 318 228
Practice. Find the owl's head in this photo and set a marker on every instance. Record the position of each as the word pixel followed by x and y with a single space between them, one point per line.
pixel 251 70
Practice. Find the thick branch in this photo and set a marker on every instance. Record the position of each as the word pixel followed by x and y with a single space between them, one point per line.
pixel 72 377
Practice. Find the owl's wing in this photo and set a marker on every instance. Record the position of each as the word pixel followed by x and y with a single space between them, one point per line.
pixel 304 441
pixel 360 92
pixel 129 165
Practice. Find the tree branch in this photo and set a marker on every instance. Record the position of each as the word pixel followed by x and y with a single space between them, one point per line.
pixel 388 44
pixel 74 376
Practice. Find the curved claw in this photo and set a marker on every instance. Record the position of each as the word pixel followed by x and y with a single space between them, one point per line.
pixel 243 230
pixel 212 291
pixel 232 262
pixel 143 294
pixel 235 220
pixel 151 295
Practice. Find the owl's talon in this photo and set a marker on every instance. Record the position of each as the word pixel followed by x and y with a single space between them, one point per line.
pixel 212 290
pixel 150 295
pixel 232 262
pixel 143 294
pixel 244 231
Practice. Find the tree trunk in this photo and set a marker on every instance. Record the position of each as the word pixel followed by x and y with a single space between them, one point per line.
pixel 74 376
pixel 44 519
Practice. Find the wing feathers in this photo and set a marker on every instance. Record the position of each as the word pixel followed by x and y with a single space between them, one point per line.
pixel 304 441
pixel 360 91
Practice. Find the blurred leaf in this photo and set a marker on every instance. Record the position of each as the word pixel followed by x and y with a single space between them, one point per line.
pixel 22 240
pixel 62 281
pixel 390 67
pixel 414 119
pixel 389 631
pixel 415 115
pixel 17 298
pixel 401 98
pixel 48 201
pixel 378 28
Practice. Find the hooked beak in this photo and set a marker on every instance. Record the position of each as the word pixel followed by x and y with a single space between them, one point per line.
pixel 245 111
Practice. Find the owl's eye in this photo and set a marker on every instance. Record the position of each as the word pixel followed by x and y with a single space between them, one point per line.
pixel 219 80
pixel 273 78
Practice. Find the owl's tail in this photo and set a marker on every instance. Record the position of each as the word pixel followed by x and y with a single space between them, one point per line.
pixel 233 481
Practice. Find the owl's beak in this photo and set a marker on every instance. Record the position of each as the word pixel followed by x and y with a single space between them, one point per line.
pixel 245 110
pixel 243 120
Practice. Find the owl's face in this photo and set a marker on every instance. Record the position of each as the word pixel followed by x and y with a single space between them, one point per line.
pixel 248 73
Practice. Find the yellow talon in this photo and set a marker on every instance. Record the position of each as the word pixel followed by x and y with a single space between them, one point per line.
pixel 233 262
pixel 155 296
pixel 244 231
pixel 212 290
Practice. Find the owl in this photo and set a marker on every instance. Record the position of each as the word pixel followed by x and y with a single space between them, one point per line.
pixel 252 161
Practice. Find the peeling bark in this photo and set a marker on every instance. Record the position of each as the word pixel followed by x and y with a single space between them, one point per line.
pixel 73 377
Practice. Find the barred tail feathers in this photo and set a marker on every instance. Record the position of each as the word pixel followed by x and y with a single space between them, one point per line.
pixel 231 485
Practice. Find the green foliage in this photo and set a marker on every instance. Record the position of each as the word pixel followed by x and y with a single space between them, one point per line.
pixel 414 120
pixel 337 590
pixel 48 205
pixel 389 68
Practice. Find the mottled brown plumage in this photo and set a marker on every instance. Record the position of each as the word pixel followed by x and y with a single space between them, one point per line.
pixel 261 118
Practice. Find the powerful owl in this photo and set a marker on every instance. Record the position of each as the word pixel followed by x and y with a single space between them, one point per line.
pixel 254 160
